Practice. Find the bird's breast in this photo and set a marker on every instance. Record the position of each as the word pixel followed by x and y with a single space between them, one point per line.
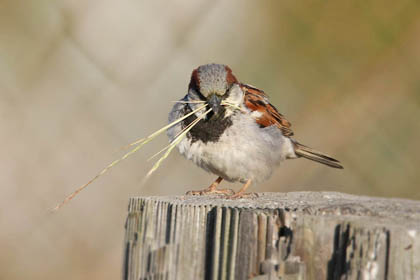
pixel 209 129
pixel 236 150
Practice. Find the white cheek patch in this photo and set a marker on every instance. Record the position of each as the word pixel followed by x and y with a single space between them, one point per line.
pixel 256 114
pixel 236 95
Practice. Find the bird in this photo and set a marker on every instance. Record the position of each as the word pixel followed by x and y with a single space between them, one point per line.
pixel 235 132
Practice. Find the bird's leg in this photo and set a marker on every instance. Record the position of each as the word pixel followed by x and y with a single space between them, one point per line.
pixel 241 193
pixel 213 189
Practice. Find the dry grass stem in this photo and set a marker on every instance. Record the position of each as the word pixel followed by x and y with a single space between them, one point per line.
pixel 225 103
pixel 174 143
pixel 178 134
pixel 153 135
pixel 139 144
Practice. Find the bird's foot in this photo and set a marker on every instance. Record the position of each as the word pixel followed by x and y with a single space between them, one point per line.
pixel 210 191
pixel 213 189
pixel 239 195
pixel 242 192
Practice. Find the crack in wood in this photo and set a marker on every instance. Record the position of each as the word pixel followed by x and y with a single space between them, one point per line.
pixel 277 236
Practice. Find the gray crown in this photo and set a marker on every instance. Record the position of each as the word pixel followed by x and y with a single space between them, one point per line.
pixel 212 79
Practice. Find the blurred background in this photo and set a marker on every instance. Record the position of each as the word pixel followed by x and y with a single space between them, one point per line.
pixel 78 80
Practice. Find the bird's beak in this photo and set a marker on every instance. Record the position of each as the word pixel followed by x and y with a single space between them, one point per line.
pixel 214 103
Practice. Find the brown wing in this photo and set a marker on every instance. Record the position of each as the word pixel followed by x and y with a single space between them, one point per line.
pixel 256 100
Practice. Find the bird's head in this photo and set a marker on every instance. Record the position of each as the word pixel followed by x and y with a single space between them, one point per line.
pixel 212 83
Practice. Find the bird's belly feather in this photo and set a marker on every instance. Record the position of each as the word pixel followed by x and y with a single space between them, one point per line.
pixel 244 150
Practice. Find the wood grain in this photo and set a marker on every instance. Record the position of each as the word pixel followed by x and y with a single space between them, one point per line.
pixel 302 235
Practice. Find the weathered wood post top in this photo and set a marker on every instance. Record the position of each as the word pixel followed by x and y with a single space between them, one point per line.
pixel 299 235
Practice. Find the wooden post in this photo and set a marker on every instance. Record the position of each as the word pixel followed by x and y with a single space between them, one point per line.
pixel 301 235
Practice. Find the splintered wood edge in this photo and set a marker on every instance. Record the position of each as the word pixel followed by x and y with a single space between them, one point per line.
pixel 385 211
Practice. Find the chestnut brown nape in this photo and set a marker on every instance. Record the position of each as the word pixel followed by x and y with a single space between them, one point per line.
pixel 230 78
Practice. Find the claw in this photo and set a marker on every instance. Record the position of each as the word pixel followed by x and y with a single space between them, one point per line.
pixel 241 193
pixel 213 189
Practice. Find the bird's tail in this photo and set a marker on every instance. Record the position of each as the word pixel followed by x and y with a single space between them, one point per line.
pixel 306 152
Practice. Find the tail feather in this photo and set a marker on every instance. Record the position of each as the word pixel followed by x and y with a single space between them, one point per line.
pixel 309 153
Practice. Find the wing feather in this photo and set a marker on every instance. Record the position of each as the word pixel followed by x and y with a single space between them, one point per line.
pixel 257 100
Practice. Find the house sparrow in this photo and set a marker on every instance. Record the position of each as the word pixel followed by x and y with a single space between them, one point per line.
pixel 241 138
